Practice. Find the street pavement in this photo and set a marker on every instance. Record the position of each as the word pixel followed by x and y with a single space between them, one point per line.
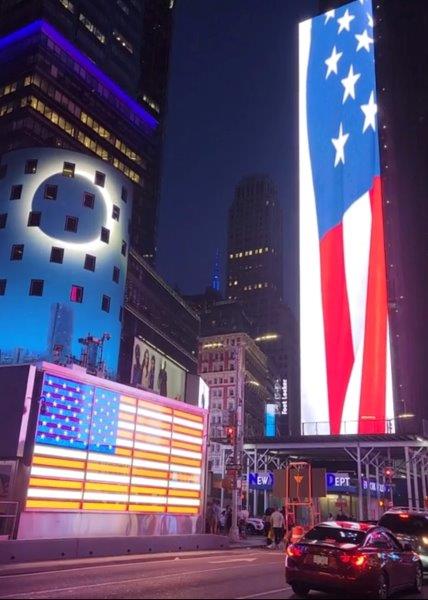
pixel 233 574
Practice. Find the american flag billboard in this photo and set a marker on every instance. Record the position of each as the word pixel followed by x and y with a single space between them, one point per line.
pixel 345 357
pixel 99 449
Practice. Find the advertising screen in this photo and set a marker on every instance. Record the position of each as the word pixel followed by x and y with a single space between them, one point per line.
pixel 344 333
pixel 204 394
pixel 98 449
pixel 152 370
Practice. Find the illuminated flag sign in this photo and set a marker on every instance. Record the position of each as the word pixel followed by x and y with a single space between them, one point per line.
pixel 345 358
pixel 98 449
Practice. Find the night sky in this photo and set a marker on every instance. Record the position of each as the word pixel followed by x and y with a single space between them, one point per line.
pixel 232 111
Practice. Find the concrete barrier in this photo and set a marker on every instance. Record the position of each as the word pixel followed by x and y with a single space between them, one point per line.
pixel 16 551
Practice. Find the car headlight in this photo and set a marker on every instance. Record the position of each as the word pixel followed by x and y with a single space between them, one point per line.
pixel 425 540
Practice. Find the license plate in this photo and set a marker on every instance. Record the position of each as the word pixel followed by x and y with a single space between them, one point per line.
pixel 320 560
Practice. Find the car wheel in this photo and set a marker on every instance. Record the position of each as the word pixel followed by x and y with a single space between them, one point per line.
pixel 382 591
pixel 251 530
pixel 300 590
pixel 419 580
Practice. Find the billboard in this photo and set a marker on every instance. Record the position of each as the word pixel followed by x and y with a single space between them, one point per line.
pixel 101 448
pixel 152 370
pixel 203 394
pixel 346 384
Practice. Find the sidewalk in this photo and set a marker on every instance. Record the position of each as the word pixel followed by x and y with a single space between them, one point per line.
pixel 253 541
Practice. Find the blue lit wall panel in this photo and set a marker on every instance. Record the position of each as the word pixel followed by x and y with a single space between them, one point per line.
pixel 33 327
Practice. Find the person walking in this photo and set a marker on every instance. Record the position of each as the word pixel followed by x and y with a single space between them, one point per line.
pixel 216 516
pixel 277 522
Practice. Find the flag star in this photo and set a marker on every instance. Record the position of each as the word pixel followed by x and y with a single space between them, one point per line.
pixel 345 21
pixel 329 15
pixel 349 84
pixel 332 62
pixel 364 41
pixel 370 20
pixel 339 144
pixel 370 112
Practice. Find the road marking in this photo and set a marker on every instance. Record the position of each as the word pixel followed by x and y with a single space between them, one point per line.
pixel 230 560
pixel 112 583
pixel 284 589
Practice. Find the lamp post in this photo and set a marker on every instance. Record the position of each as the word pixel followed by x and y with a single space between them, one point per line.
pixel 238 441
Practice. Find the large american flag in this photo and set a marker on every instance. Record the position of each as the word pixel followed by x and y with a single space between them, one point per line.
pixel 97 449
pixel 345 358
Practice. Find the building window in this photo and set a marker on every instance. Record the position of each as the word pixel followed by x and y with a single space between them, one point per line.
pixel 91 27
pixel 3 287
pixel 15 192
pixel 100 178
pixel 116 212
pixel 51 192
pixel 90 262
pixel 17 252
pixel 123 41
pixel 57 254
pixel 76 294
pixel 105 304
pixel 68 169
pixel 71 223
pixel 36 287
pixel 31 166
pixel 124 195
pixel 3 220
pixel 3 171
pixel 105 235
pixel 34 218
pixel 124 247
pixel 116 274
pixel 68 5
pixel 88 200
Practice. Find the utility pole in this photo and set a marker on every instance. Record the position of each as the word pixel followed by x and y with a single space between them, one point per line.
pixel 238 441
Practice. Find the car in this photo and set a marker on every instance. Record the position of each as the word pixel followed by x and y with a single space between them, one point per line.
pixel 254 526
pixel 352 558
pixel 409 526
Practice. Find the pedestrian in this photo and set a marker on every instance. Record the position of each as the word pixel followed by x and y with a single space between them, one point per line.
pixel 277 521
pixel 267 525
pixel 228 518
pixel 242 521
pixel 208 517
pixel 216 516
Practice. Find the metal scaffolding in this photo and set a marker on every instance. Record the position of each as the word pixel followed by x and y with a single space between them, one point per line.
pixel 408 455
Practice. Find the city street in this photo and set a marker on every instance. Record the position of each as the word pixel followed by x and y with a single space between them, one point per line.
pixel 240 574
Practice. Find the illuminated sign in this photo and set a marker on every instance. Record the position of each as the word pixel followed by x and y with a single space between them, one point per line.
pixel 260 481
pixel 338 480
pixel 346 382
pixel 98 449
pixel 270 420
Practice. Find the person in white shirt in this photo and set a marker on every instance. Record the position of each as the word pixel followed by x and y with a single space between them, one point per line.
pixel 277 523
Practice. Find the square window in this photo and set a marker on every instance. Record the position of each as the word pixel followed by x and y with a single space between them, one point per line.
pixel 116 212
pixel 68 169
pixel 36 287
pixel 124 247
pixel 90 262
pixel 51 192
pixel 100 178
pixel 105 304
pixel 3 220
pixel 3 287
pixel 34 218
pixel 88 200
pixel 76 294
pixel 15 192
pixel 3 171
pixel 57 254
pixel 17 252
pixel 71 223
pixel 31 166
pixel 124 194
pixel 116 274
pixel 105 235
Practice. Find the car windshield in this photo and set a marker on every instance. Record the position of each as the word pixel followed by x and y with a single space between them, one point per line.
pixel 334 535
pixel 405 523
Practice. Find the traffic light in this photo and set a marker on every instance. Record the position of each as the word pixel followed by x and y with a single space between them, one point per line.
pixel 230 435
pixel 388 472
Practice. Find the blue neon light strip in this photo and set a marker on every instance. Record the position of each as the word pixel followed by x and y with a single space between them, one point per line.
pixel 82 60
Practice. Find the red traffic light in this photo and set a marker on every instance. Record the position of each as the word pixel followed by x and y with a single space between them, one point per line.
pixel 230 434
pixel 388 472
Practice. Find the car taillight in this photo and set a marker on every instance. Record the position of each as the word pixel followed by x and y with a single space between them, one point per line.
pixel 356 560
pixel 294 551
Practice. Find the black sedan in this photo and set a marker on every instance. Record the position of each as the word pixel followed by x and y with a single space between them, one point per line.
pixel 355 558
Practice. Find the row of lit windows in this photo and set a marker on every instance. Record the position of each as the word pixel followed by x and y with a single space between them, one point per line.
pixel 151 103
pixel 68 5
pixel 8 88
pixel 74 109
pixel 36 288
pixel 123 41
pixel 71 225
pixel 249 252
pixel 93 82
pixel 88 142
pixel 92 28
pixel 256 286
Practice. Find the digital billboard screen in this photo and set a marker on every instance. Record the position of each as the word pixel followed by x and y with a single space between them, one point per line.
pixel 152 370
pixel 346 384
pixel 98 449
